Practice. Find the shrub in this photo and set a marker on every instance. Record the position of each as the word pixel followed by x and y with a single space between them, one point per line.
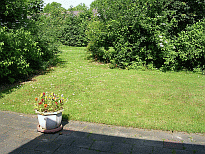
pixel 45 32
pixel 73 32
pixel 27 46
pixel 17 52
pixel 144 32
pixel 98 46
pixel 190 47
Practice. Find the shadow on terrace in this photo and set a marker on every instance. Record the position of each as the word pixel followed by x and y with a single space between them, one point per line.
pixel 74 142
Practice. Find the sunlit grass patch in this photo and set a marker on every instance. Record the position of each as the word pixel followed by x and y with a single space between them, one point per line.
pixel 96 93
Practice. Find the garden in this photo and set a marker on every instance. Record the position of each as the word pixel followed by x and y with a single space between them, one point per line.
pixel 112 69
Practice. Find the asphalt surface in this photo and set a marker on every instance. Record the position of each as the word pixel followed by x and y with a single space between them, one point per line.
pixel 18 134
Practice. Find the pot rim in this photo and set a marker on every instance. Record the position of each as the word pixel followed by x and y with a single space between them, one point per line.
pixel 49 113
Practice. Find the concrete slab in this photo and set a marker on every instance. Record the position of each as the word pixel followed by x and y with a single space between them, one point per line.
pixel 87 151
pixel 153 143
pixel 64 139
pixel 66 148
pixel 121 148
pixel 142 149
pixel 102 146
pixel 48 147
pixel 82 143
pixel 6 150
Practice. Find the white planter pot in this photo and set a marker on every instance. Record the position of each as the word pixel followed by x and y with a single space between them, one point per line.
pixel 50 120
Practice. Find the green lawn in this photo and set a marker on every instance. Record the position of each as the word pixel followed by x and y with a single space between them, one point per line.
pixel 143 99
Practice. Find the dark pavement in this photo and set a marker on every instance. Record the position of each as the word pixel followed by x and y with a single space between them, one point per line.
pixel 18 134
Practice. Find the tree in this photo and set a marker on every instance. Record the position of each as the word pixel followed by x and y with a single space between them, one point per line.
pixel 14 13
pixel 50 8
pixel 93 5
pixel 81 7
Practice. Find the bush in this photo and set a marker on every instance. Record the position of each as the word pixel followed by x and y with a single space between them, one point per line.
pixel 24 46
pixel 144 33
pixel 46 33
pixel 190 47
pixel 98 47
pixel 17 51
pixel 73 32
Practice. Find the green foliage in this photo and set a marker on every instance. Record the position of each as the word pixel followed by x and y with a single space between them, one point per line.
pixel 80 7
pixel 17 51
pixel 21 53
pixel 34 7
pixel 49 28
pixel 98 47
pixel 47 43
pixel 24 47
pixel 190 47
pixel 73 32
pixel 53 7
pixel 93 5
pixel 12 13
pixel 66 27
pixel 144 33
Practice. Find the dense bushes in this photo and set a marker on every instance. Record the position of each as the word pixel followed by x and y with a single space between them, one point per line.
pixel 21 53
pixel 17 51
pixel 190 47
pixel 30 44
pixel 66 26
pixel 147 33
pixel 97 35
pixel 165 34
pixel 24 47
pixel 73 32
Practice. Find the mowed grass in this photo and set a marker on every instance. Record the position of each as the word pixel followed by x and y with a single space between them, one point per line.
pixel 143 99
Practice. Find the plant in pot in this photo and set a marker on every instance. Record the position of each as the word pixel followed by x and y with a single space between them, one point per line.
pixel 49 108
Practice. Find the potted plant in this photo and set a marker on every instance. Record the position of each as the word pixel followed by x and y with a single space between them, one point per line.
pixel 49 108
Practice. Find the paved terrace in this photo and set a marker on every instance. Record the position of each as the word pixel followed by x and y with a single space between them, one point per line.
pixel 18 134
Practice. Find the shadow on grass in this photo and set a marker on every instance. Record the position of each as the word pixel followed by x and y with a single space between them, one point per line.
pixel 7 88
pixel 66 117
